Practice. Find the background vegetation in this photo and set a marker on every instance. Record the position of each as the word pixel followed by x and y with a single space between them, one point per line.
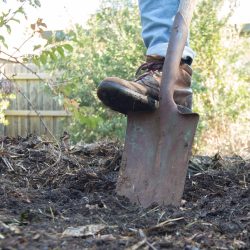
pixel 221 81
pixel 7 18
pixel 111 45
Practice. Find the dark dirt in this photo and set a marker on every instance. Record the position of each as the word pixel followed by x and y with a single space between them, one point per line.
pixel 44 191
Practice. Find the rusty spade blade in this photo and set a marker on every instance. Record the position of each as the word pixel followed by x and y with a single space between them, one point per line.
pixel 158 144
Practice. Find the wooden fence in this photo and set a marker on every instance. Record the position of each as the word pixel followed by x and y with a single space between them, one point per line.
pixel 23 117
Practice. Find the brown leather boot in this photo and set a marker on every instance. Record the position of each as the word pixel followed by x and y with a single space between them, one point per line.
pixel 142 94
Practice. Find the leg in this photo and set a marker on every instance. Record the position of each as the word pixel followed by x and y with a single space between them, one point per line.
pixel 157 18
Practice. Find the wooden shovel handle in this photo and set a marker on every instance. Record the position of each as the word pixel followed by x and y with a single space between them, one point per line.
pixel 177 42
pixel 186 9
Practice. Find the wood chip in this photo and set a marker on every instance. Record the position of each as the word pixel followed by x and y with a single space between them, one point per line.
pixel 88 230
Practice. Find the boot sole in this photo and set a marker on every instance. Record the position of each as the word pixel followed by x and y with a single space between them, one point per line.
pixel 124 100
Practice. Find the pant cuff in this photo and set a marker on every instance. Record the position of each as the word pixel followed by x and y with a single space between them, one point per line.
pixel 161 50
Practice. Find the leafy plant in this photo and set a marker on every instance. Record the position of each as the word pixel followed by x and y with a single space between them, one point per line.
pixel 222 95
pixel 7 18
pixel 5 97
pixel 10 16
pixel 110 45
pixel 50 51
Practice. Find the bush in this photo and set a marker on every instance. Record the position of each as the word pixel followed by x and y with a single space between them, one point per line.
pixel 222 95
pixel 5 97
pixel 112 46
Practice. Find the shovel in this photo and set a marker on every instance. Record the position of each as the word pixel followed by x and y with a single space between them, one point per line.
pixel 158 144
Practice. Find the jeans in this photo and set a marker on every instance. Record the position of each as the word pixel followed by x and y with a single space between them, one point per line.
pixel 157 18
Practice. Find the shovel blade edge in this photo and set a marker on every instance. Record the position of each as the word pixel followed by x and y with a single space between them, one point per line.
pixel 154 164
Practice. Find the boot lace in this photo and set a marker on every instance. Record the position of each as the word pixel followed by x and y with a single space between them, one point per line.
pixel 149 68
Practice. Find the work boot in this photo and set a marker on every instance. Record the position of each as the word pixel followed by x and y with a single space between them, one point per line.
pixel 142 94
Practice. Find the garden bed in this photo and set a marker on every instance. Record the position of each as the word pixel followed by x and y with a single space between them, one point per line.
pixel 63 197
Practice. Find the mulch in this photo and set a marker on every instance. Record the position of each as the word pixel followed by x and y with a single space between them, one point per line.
pixel 59 196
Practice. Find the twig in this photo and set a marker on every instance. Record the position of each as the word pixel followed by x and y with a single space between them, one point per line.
pixel 23 43
pixel 244 181
pixel 17 49
pixel 161 215
pixel 137 245
pixel 7 163
pixel 168 222
pixel 31 105
pixel 164 223
pixel 151 245
pixel 118 203
pixel 143 235
pixel 19 62
pixel 19 164
pixel 14 13
pixel 33 72
pixel 52 214
pixel 54 83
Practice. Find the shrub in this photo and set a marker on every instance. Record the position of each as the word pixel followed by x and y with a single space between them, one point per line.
pixel 111 45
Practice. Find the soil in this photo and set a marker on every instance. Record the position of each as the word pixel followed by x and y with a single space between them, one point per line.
pixel 63 197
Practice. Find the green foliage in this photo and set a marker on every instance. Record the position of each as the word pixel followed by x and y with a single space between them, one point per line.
pixel 111 45
pixel 222 93
pixel 56 46
pixel 5 97
pixel 51 51
pixel 13 16
pixel 7 18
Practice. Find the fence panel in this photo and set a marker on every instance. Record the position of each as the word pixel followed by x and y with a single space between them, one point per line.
pixel 22 117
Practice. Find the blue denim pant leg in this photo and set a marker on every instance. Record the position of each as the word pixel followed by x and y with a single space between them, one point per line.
pixel 157 18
